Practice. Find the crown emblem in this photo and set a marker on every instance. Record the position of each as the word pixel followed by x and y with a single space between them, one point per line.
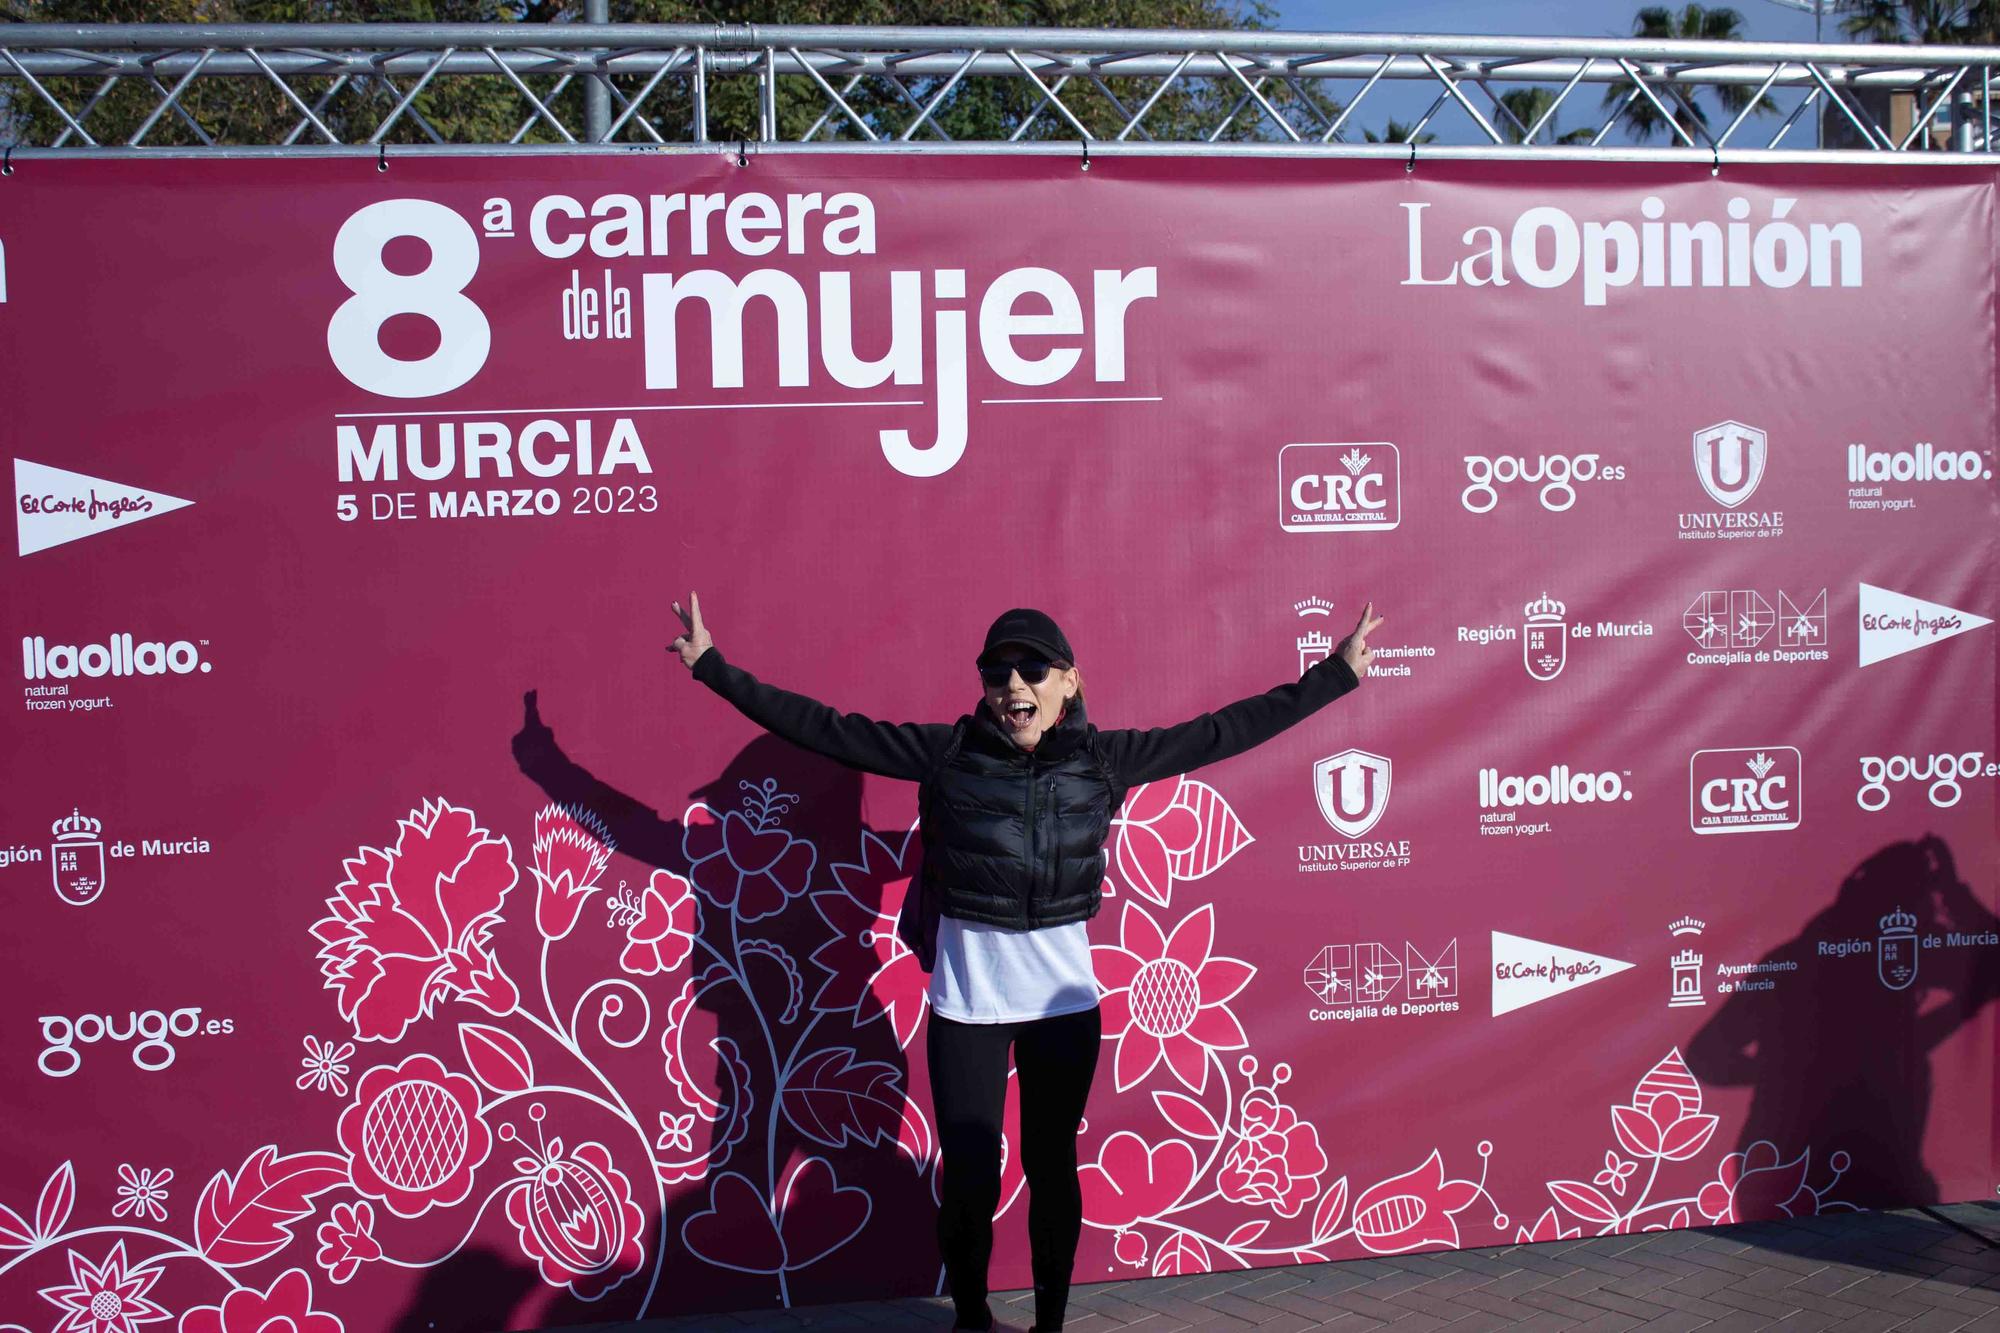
pixel 1687 958
pixel 1354 460
pixel 1314 639
pixel 1314 606
pixel 76 827
pixel 1899 922
pixel 1544 607
pixel 1762 764
pixel 1687 925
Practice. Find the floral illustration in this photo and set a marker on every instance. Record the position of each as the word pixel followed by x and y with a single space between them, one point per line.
pixel 142 1193
pixel 325 1066
pixel 414 1135
pixel 1166 998
pixel 347 1240
pixel 286 1304
pixel 108 1296
pixel 696 1058
pixel 411 925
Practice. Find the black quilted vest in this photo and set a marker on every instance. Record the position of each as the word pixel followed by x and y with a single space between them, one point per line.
pixel 1013 838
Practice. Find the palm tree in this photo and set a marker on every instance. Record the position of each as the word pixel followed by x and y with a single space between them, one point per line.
pixel 1397 132
pixel 1932 22
pixel 1528 105
pixel 1689 23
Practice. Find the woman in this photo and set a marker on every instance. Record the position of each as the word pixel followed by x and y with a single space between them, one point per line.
pixel 1016 800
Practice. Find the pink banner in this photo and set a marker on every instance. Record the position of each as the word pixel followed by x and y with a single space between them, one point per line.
pixel 396 932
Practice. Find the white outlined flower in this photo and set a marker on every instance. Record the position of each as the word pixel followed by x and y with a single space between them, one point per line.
pixel 144 1193
pixel 325 1065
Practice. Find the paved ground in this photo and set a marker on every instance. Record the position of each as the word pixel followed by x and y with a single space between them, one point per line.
pixel 1919 1271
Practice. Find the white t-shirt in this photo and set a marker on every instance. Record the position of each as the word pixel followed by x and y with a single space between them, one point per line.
pixel 994 974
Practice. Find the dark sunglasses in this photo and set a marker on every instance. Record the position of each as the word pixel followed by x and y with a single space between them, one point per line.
pixel 997 675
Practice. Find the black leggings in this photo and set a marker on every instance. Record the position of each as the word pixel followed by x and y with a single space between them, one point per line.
pixel 1054 1059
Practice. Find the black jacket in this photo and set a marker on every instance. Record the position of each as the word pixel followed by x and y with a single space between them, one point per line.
pixel 1012 837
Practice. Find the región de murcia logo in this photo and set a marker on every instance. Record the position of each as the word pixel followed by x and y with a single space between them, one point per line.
pixel 1545 633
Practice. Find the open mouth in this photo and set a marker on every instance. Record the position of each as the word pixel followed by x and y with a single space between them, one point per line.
pixel 1019 715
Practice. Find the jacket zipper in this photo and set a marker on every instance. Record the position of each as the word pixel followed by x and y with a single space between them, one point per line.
pixel 1034 862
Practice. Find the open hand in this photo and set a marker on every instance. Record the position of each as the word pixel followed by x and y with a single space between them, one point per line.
pixel 695 642
pixel 1354 649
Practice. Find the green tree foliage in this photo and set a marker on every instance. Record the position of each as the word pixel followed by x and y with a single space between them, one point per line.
pixel 488 109
pixel 1528 106
pixel 1693 23
pixel 1931 22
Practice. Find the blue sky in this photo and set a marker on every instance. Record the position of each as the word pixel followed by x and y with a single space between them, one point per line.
pixel 1763 20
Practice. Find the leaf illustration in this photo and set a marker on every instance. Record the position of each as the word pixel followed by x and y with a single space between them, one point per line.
pixel 1246 1233
pixel 242 1219
pixel 1326 1217
pixel 1181 1255
pixel 15 1233
pixel 1187 1115
pixel 1308 1257
pixel 831 1098
pixel 58 1195
pixel 1142 861
pixel 1222 833
pixel 1586 1201
pixel 1686 1137
pixel 497 1057
pixel 1636 1131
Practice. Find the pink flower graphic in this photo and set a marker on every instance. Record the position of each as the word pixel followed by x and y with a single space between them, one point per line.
pixel 742 860
pixel 869 970
pixel 1664 1119
pixel 104 1297
pixel 663 936
pixel 1131 1181
pixel 1167 997
pixel 813 1215
pixel 574 1215
pixel 1413 1210
pixel 1278 1159
pixel 1615 1173
pixel 410 925
pixel 1172 830
pixel 1753 1185
pixel 348 1240
pixel 415 1136
pixel 571 850
pixel 286 1306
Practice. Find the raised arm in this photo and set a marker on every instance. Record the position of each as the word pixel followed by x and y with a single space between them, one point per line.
pixel 1146 756
pixel 892 749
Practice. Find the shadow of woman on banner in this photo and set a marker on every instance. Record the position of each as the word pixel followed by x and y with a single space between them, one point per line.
pixel 793 888
pixel 1838 1054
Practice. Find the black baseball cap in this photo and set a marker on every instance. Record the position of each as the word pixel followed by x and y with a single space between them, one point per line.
pixel 1031 629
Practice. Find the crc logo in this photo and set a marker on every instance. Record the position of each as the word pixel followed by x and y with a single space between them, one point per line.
pixel 1757 790
pixel 1943 771
pixel 1729 460
pixel 1339 487
pixel 1353 790
pixel 1557 474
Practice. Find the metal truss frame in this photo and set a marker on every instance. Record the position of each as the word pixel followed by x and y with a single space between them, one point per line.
pixel 622 88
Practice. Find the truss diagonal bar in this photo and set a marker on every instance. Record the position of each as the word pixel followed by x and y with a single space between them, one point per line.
pixel 1250 90
pixel 320 103
pixel 1451 86
pixel 1923 122
pixel 173 97
pixel 520 86
pixel 181 114
pixel 1154 98
pixel 1869 131
pixel 1639 84
pixel 293 97
pixel 831 96
pixel 110 82
pixel 937 100
pixel 1333 130
pixel 1744 114
pixel 1050 96
pixel 44 94
pixel 1548 117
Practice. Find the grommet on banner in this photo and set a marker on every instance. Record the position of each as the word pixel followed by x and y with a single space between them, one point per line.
pixel 1715 167
pixel 1086 156
pixel 742 153
pixel 381 157
pixel 7 162
pixel 1411 165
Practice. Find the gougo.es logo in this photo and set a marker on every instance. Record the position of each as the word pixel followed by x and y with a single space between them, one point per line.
pixel 154 1031
pixel 1557 474
pixel 1944 773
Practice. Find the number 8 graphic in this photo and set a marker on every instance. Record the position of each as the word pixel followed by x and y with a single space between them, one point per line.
pixel 436 293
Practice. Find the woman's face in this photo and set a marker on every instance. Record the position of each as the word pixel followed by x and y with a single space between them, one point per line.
pixel 1026 712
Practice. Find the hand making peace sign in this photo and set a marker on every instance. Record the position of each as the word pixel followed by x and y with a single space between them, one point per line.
pixel 695 642
pixel 1354 649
